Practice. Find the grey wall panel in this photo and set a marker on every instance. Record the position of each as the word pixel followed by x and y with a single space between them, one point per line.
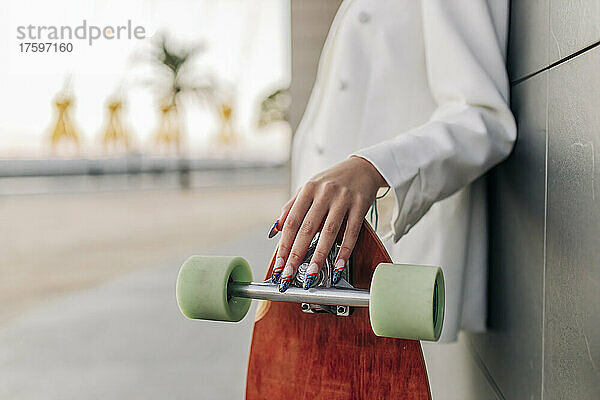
pixel 572 332
pixel 311 20
pixel 527 48
pixel 573 26
pixel 512 349
pixel 545 31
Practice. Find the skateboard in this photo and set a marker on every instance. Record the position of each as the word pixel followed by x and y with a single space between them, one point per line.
pixel 358 339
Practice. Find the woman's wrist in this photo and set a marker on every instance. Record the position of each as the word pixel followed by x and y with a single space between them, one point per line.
pixel 370 169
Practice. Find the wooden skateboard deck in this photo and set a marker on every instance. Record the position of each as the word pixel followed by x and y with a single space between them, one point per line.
pixel 295 355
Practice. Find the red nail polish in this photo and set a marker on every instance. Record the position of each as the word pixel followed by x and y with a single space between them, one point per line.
pixel 274 230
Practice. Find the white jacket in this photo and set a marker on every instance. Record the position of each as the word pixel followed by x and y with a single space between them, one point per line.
pixel 419 89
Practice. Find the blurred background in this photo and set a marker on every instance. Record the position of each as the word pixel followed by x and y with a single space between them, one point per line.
pixel 118 160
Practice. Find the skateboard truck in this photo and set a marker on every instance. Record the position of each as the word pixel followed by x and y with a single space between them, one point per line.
pixel 323 280
pixel 333 296
pixel 404 301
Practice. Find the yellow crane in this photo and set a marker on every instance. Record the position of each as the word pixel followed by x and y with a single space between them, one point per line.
pixel 115 134
pixel 169 131
pixel 226 133
pixel 64 128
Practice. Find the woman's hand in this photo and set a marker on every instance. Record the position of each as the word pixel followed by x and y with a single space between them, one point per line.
pixel 337 197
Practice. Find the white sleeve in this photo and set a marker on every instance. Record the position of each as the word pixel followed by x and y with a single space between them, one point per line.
pixel 472 128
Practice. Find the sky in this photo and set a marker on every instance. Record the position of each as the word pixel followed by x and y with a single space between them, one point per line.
pixel 246 47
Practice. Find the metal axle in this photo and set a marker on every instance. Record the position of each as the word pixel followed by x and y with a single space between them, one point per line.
pixel 334 296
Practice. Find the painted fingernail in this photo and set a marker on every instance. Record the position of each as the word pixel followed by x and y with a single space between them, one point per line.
pixel 311 275
pixel 274 229
pixel 337 270
pixel 286 279
pixel 277 270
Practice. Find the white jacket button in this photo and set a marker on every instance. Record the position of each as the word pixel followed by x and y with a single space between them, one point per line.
pixel 363 17
pixel 343 85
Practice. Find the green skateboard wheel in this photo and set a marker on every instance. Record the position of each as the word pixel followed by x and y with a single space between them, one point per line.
pixel 407 302
pixel 202 288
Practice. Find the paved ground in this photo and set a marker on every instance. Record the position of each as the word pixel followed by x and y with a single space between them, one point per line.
pixel 126 339
pixel 56 243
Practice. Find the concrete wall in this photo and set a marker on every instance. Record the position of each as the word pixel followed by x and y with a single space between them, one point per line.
pixel 310 23
pixel 544 339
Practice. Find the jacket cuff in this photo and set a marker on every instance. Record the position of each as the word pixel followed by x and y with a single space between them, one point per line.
pixel 399 178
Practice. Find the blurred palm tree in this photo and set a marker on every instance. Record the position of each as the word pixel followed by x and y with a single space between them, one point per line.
pixel 274 107
pixel 180 79
pixel 176 61
pixel 177 80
